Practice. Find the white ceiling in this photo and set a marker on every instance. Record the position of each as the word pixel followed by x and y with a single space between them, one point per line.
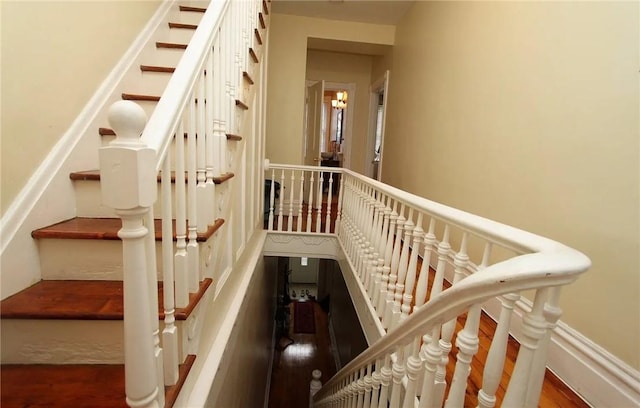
pixel 366 11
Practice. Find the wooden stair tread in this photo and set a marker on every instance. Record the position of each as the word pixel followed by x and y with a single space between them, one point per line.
pixel 262 23
pixel 106 132
pixel 183 26
pixel 137 97
pixel 236 138
pixel 73 385
pixel 155 68
pixel 161 44
pixel 104 229
pixel 265 7
pixel 82 300
pixel 94 175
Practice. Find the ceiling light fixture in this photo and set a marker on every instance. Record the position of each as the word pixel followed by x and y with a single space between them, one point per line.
pixel 341 101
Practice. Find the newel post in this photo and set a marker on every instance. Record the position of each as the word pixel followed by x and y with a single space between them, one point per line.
pixel 315 385
pixel 128 182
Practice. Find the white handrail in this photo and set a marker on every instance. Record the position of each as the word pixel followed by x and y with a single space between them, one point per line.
pixel 163 123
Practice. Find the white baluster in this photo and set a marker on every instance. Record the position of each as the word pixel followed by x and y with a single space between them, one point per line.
pixel 337 225
pixel 128 165
pixel 368 382
pixel 445 337
pixel 385 380
pixel 310 203
pixel 170 331
pixel 387 321
pixel 196 195
pixel 412 269
pixel 414 366
pixel 534 328
pixel 197 160
pixel 152 281
pixel 315 385
pixel 210 91
pixel 375 385
pixel 327 228
pixel 319 202
pixel 398 374
pixel 280 207
pixel 272 199
pixel 432 356
pixel 402 268
pixel 180 256
pixel 300 199
pixel 552 313
pixel 292 184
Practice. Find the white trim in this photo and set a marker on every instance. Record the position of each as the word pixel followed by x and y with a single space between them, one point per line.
pixel 26 200
pixel 597 376
pixel 267 388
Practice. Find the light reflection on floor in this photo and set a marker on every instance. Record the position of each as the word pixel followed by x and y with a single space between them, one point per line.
pixel 300 351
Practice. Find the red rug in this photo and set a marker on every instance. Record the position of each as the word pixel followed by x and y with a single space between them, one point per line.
pixel 303 318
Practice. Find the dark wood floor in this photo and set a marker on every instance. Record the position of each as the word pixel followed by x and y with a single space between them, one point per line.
pixel 292 367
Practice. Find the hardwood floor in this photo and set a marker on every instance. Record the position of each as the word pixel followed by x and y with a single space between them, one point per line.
pixel 292 367
pixel 294 362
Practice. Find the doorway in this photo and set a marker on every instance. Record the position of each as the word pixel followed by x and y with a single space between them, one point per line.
pixel 377 115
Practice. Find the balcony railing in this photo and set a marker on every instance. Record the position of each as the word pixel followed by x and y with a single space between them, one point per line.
pixel 424 267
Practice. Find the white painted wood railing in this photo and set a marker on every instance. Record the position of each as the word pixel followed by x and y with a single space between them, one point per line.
pixel 423 265
pixel 184 140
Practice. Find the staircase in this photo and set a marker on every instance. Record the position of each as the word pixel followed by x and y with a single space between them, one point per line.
pixel 80 337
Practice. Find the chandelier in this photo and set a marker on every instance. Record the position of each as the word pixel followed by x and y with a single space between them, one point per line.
pixel 341 101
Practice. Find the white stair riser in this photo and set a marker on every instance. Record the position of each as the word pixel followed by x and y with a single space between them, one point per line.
pixel 89 201
pixel 90 259
pixel 34 341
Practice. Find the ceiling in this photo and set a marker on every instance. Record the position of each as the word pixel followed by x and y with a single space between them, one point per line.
pixel 376 12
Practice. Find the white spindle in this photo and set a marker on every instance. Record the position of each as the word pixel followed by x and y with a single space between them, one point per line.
pixel 170 331
pixel 292 187
pixel 180 257
pixel 152 281
pixel 315 385
pixel 327 228
pixel 412 269
pixel 196 193
pixel 397 375
pixel 534 328
pixel 310 202
pixel 199 154
pixel 210 210
pixel 414 365
pixel 300 202
pixel 272 198
pixel 280 206
pixel 319 202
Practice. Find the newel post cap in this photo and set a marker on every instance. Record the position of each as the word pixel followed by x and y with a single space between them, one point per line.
pixel 127 166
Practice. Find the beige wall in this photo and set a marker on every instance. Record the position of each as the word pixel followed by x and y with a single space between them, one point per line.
pixel 55 54
pixel 347 68
pixel 287 71
pixel 527 113
pixel 241 380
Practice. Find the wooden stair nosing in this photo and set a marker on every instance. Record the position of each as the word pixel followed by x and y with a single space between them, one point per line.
pixel 222 178
pixel 262 23
pixel 103 385
pixel 247 77
pixel 235 138
pixel 160 44
pixel 106 132
pixel 241 105
pixel 135 97
pixel 104 229
pixel 256 32
pixel 84 300
pixel 265 7
pixel 94 175
pixel 156 68
pixel 194 9
pixel 253 55
pixel 183 26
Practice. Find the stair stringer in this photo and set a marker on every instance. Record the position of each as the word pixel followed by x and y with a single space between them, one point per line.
pixel 49 195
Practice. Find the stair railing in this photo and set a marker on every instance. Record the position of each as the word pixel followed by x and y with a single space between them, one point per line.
pixel 427 270
pixel 185 139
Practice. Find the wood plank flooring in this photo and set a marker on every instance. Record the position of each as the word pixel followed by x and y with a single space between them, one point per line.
pixel 292 367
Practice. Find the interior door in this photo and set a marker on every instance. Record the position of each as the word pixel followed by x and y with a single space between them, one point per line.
pixel 315 98
pixel 315 95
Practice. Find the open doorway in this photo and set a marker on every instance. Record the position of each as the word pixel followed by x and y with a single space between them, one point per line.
pixel 336 124
pixel 377 115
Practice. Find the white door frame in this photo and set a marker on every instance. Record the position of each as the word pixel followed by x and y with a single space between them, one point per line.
pixel 380 84
pixel 350 87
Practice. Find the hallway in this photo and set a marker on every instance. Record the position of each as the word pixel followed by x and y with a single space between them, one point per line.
pixel 294 361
